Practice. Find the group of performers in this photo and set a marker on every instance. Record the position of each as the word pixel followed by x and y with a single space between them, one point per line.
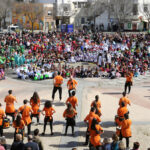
pixel 23 116
pixel 122 121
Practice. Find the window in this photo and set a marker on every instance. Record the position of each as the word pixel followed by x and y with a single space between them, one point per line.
pixel 135 9
pixel 145 8
pixel 49 13
pixel 82 20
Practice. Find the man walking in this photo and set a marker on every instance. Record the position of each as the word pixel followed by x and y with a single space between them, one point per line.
pixel 58 81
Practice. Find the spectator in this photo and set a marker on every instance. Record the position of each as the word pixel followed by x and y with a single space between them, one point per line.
pixel 37 139
pixel 3 142
pixel 121 146
pixel 18 144
pixel 31 144
pixel 106 144
pixel 115 143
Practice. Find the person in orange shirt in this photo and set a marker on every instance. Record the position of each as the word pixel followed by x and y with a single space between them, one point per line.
pixel 122 110
pixel 2 115
pixel 19 125
pixel 10 109
pixel 129 81
pixel 97 101
pixel 97 110
pixel 124 99
pixel 26 111
pixel 88 119
pixel 126 129
pixel 72 100
pixel 96 131
pixel 49 111
pixel 35 104
pixel 70 114
pixel 71 84
pixel 58 81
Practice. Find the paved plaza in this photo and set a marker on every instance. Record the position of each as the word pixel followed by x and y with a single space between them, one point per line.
pixel 109 92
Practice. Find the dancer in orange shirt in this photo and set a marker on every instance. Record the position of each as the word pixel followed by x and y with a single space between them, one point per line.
pixel 126 129
pixel 70 114
pixel 10 109
pixel 97 101
pixel 124 99
pixel 129 81
pixel 49 111
pixel 35 104
pixel 122 110
pixel 96 131
pixel 26 111
pixel 88 120
pixel 2 115
pixel 58 81
pixel 19 125
pixel 71 84
pixel 72 100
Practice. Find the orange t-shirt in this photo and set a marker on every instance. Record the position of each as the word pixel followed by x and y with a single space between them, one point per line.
pixel 98 104
pixel 2 114
pixel 21 126
pixel 90 117
pixel 129 77
pixel 69 115
pixel 122 111
pixel 49 111
pixel 10 99
pixel 58 80
pixel 73 101
pixel 72 84
pixel 35 106
pixel 126 128
pixel 26 113
pixel 125 100
pixel 94 137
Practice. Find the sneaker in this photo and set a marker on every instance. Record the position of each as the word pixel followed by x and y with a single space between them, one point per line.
pixel 52 133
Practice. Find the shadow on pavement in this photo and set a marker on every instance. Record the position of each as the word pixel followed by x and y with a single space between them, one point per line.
pixel 112 93
pixel 107 134
pixel 71 144
pixel 108 124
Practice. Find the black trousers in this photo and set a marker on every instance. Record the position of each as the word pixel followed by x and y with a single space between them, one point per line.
pixel 1 130
pixel 87 136
pixel 128 85
pixel 55 90
pixel 127 139
pixel 12 115
pixel 46 120
pixel 29 128
pixel 36 116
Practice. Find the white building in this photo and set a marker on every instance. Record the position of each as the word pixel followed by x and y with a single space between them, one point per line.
pixel 132 14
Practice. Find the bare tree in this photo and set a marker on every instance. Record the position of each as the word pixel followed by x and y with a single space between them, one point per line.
pixel 6 7
pixel 120 10
pixel 32 11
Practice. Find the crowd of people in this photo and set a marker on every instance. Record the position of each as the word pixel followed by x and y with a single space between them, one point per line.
pixel 35 55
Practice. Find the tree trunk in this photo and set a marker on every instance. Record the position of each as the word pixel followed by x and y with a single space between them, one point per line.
pixel 32 26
